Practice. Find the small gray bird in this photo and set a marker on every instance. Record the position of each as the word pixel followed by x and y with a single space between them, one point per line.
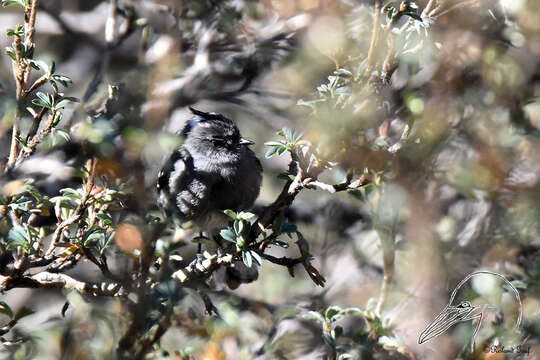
pixel 212 171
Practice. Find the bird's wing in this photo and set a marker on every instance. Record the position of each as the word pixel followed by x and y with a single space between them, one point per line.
pixel 171 177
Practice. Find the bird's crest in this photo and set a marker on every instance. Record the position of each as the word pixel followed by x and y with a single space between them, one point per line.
pixel 202 117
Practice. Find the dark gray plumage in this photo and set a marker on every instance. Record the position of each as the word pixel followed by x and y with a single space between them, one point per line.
pixel 212 171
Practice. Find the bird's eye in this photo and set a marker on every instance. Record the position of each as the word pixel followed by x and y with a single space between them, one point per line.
pixel 217 141
pixel 465 304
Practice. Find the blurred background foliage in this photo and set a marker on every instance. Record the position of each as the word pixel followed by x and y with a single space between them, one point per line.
pixel 436 102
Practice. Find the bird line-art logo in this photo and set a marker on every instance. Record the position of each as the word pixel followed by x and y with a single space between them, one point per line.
pixel 465 311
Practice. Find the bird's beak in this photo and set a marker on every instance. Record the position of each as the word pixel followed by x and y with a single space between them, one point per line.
pixel 450 316
pixel 245 142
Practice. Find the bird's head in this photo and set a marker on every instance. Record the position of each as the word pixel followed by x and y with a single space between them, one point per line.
pixel 214 130
pixel 451 315
pixel 472 300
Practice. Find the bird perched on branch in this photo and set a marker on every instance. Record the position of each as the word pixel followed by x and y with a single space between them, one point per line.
pixel 212 171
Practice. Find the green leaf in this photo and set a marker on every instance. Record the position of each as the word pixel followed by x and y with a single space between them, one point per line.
pixel 30 189
pixel 310 103
pixel 5 309
pixel 64 80
pixel 54 86
pixel 18 31
pixel 238 226
pixel 63 134
pixel 331 311
pixel 33 65
pixel 240 242
pixel 39 65
pixel 296 137
pixel 353 311
pixel 314 315
pixel 230 214
pixel 371 304
pixel 106 218
pixel 104 243
pixel 246 257
pixel 271 152
pixel 246 215
pixel 8 3
pixel 344 73
pixel 72 193
pixel 40 103
pixel 18 236
pixel 72 99
pixel 43 100
pixel 256 257
pixel 61 104
pixel 273 143
pixel 57 118
pixel 94 234
pixel 337 332
pixel 288 134
pixel 228 235
pixel 11 53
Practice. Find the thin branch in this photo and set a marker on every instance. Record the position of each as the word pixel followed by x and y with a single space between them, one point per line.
pixel 283 261
pixel 57 235
pixel 21 73
pixel 113 42
pixel 38 83
pixel 201 270
pixel 442 10
pixel 346 185
pixel 83 37
pixel 374 37
pixel 387 238
pixel 29 31
pixel 428 8
pixel 110 25
pixel 35 124
pixel 31 147
pixel 51 280
pixel 162 327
